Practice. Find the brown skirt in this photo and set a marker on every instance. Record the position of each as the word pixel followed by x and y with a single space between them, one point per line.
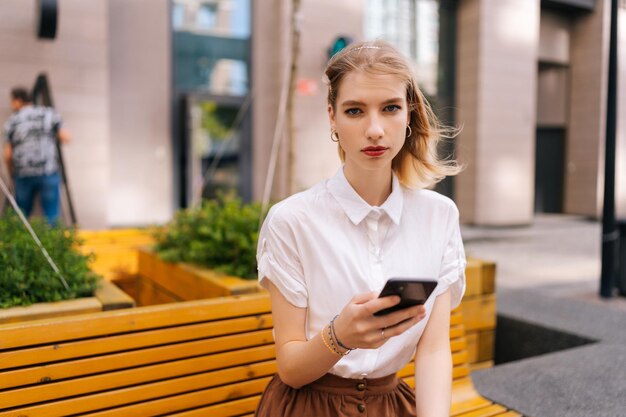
pixel 333 396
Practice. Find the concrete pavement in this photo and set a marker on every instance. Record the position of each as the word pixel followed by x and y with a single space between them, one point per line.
pixel 547 282
pixel 554 249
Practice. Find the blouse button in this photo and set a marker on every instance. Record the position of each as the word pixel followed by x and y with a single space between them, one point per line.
pixel 360 386
pixel 361 407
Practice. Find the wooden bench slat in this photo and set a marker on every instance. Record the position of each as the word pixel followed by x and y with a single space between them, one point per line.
pixel 122 321
pixel 460 371
pixel 463 390
pixel 479 312
pixel 488 277
pixel 147 392
pixel 481 365
pixel 456 331
pixel 492 410
pixel 459 358
pixel 76 350
pixel 456 318
pixel 142 357
pixel 459 407
pixel 466 406
pixel 189 400
pixel 510 413
pixel 89 384
pixel 458 344
pixel 188 359
pixel 233 408
pixel 474 284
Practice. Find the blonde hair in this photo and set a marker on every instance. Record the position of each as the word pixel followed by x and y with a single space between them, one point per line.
pixel 417 165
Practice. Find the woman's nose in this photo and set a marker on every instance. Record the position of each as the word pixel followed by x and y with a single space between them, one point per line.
pixel 374 129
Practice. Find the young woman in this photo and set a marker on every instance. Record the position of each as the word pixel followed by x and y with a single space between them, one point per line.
pixel 324 255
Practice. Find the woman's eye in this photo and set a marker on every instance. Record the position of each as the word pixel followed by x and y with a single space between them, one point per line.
pixel 353 112
pixel 392 108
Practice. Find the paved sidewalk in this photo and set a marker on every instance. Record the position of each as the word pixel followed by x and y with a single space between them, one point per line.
pixel 555 249
pixel 558 255
pixel 548 275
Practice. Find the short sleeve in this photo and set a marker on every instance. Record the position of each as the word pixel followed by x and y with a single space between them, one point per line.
pixel 278 260
pixel 9 129
pixel 452 272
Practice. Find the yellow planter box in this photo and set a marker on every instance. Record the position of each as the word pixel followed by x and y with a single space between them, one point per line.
pixel 107 297
pixel 479 311
pixel 184 282
pixel 115 250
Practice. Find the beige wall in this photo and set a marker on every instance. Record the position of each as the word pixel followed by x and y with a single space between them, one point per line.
pixel 316 155
pixel 496 85
pixel 110 75
pixel 76 63
pixel 467 90
pixel 141 176
pixel 585 139
pixel 554 37
pixel 553 80
pixel 270 53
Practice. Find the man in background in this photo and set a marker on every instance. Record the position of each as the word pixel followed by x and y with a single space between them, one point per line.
pixel 31 154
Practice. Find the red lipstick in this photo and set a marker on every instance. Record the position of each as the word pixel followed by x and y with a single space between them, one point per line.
pixel 374 150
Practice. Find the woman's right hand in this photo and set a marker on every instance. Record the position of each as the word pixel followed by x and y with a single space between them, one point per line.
pixel 358 327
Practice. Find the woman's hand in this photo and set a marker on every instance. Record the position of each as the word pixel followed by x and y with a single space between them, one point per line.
pixel 357 327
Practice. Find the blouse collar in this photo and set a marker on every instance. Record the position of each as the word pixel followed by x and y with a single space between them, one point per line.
pixel 356 208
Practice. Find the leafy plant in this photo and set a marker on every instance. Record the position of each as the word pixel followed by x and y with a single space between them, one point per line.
pixel 221 234
pixel 214 120
pixel 26 277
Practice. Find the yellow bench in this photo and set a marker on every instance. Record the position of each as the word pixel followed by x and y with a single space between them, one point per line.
pixel 198 358
pixel 117 258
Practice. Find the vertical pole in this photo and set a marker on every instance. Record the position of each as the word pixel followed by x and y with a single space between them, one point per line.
pixel 295 23
pixel 610 234
pixel 42 88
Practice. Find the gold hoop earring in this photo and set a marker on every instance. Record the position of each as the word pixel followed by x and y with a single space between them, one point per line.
pixel 334 136
pixel 408 135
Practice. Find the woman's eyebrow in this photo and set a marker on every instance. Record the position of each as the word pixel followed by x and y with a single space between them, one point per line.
pixel 352 103
pixel 394 100
pixel 360 103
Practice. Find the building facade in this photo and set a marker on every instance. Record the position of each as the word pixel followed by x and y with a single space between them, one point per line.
pixel 172 101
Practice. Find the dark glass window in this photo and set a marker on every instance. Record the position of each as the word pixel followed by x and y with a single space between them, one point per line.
pixel 424 31
pixel 211 63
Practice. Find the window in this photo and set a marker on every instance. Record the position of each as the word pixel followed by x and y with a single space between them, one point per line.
pixel 212 45
pixel 211 63
pixel 412 26
pixel 425 31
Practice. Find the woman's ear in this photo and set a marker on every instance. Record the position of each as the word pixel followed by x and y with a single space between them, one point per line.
pixel 331 117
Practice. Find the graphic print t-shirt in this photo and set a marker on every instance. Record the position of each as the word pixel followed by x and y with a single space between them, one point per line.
pixel 32 134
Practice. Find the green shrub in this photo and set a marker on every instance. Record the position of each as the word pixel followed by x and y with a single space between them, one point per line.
pixel 26 277
pixel 221 234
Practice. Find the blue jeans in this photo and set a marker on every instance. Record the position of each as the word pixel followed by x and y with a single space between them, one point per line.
pixel 48 187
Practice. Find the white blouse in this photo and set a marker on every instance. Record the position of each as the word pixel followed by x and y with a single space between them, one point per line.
pixel 322 246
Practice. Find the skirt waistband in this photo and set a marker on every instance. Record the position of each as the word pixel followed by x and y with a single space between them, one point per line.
pixel 348 386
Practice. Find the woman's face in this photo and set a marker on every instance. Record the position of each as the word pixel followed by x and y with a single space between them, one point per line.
pixel 370 118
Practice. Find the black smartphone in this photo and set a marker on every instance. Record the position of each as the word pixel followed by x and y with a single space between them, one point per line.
pixel 412 291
